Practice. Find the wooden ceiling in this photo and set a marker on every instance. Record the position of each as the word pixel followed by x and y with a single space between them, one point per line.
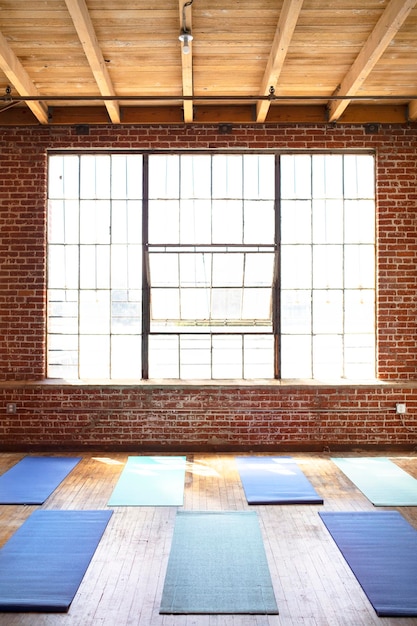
pixel 250 61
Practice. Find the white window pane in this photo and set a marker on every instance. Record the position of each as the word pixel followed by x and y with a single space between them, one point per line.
pixel 296 221
pixel 63 267
pixel 296 176
pixel 94 221
pixel 257 304
pixel 125 357
pixel 228 270
pixel 259 269
pixel 195 304
pixel 327 311
pixel 359 267
pixel 296 312
pixel 259 222
pixel 165 304
pixel 126 221
pixel 359 176
pixel 295 267
pixel 327 267
pixel 95 176
pixel 328 357
pixel 360 221
pixel 327 176
pixel 360 356
pixel 164 222
pixel 126 315
pixel 195 357
pixel 94 312
pixel 258 357
pixel 195 176
pixel 195 221
pixel 164 179
pixel 259 176
pixel 360 311
pixel 63 221
pixel 63 177
pixel 126 176
pixel 164 270
pixel 327 221
pixel 226 304
pixel 195 270
pixel 164 357
pixel 227 216
pixel 94 356
pixel 296 356
pixel 94 267
pixel 227 357
pixel 227 178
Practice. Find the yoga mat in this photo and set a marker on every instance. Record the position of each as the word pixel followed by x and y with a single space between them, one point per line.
pixel 217 564
pixel 275 480
pixel 44 562
pixel 381 550
pixel 34 478
pixel 380 480
pixel 150 481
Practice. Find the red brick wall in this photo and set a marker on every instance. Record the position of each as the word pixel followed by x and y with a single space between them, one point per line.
pixel 184 416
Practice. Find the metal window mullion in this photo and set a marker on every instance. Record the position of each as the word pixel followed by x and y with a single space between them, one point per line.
pixel 145 268
pixel 79 271
pixel 276 284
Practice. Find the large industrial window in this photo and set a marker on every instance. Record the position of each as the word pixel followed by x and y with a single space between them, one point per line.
pixel 200 266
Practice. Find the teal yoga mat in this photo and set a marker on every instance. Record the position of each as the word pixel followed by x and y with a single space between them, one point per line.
pixel 380 480
pixel 44 562
pixel 217 565
pixel 34 478
pixel 151 481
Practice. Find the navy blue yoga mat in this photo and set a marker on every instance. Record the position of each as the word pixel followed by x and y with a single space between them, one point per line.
pixel 34 478
pixel 44 562
pixel 381 550
pixel 275 480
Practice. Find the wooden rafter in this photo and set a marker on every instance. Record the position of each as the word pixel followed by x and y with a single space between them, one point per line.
pixel 20 80
pixel 286 24
pixel 86 33
pixel 412 110
pixel 187 68
pixel 385 30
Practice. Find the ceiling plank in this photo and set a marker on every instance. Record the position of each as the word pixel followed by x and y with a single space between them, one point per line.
pixel 187 64
pixel 385 30
pixel 286 25
pixel 20 80
pixel 86 33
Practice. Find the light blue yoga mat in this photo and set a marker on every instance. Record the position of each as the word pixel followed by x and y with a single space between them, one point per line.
pixel 275 480
pixel 217 565
pixel 34 478
pixel 150 481
pixel 380 480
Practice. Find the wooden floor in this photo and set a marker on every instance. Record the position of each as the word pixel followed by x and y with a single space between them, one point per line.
pixel 123 584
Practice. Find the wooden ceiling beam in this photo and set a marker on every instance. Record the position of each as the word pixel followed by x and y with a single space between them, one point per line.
pixel 412 110
pixel 85 30
pixel 187 65
pixel 288 18
pixel 385 30
pixel 20 80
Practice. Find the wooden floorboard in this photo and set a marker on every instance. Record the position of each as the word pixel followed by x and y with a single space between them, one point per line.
pixel 123 584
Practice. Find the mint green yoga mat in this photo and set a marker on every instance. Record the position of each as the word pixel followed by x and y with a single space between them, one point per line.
pixel 217 565
pixel 380 480
pixel 150 481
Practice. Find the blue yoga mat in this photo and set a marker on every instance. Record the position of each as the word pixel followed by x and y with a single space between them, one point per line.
pixel 275 480
pixel 34 478
pixel 44 562
pixel 150 481
pixel 380 480
pixel 381 550
pixel 217 565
